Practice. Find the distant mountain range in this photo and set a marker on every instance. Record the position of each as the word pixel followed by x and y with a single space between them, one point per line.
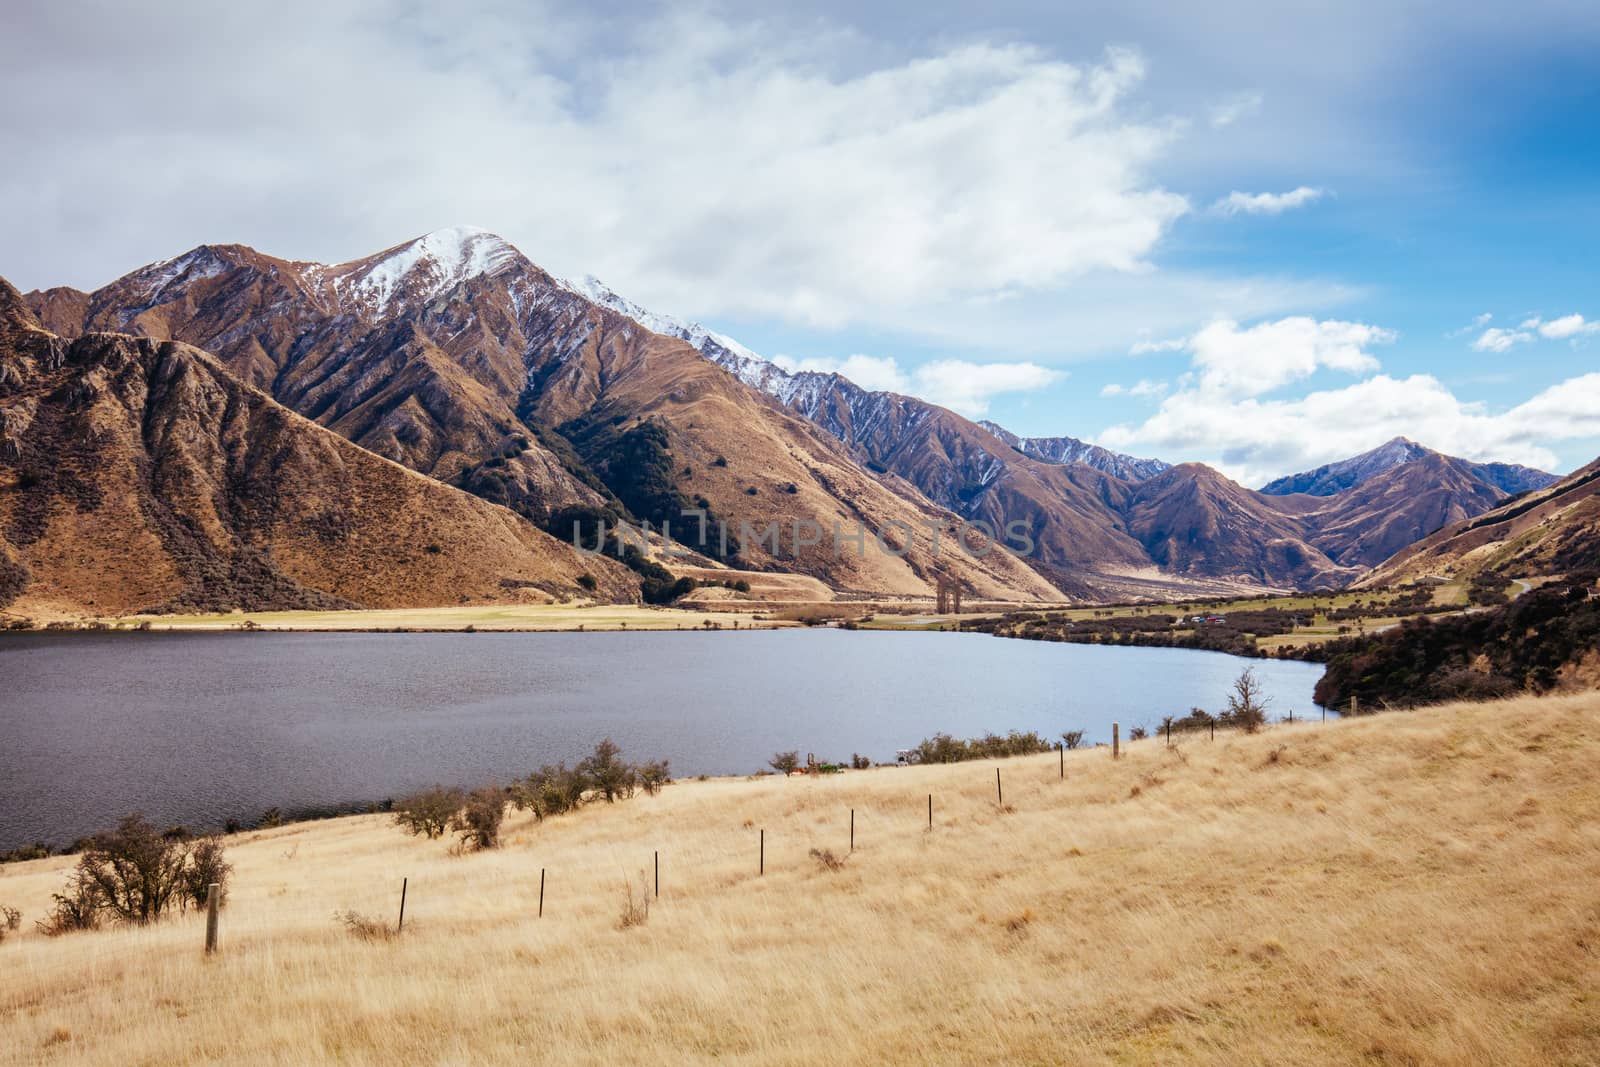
pixel 457 357
pixel 1347 474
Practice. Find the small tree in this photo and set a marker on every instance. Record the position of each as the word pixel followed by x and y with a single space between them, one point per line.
pixel 550 790
pixel 785 762
pixel 134 870
pixel 429 812
pixel 478 821
pixel 207 865
pixel 654 775
pixel 1247 704
pixel 1072 739
pixel 608 773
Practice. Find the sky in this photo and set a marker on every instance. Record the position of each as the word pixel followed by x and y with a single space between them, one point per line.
pixel 1256 235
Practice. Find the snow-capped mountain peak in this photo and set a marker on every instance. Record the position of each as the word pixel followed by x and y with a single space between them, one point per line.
pixel 426 267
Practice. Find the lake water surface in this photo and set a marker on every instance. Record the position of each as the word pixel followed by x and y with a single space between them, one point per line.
pixel 200 728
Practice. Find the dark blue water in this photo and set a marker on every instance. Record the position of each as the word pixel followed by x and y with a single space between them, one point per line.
pixel 200 728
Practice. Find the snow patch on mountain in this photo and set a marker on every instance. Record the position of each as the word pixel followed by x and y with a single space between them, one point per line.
pixel 428 267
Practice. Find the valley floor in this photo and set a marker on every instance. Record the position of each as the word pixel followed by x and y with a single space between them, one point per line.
pixel 1409 888
pixel 528 617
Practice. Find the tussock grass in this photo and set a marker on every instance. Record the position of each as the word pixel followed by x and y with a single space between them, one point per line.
pixel 1410 888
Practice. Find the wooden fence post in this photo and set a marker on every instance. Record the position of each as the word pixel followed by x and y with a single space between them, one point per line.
pixel 658 872
pixel 999 794
pixel 852 829
pixel 1116 740
pixel 1355 706
pixel 930 813
pixel 1061 749
pixel 213 901
pixel 402 924
pixel 763 852
pixel 541 892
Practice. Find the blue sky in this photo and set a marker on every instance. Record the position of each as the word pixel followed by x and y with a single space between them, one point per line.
pixel 1020 210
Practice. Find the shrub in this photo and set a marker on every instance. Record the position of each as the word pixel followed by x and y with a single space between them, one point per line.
pixel 858 762
pixel 207 865
pixel 478 820
pixel 1138 733
pixel 77 907
pixel 785 762
pixel 654 775
pixel 270 818
pixel 635 909
pixel 429 812
pixel 942 748
pixel 588 582
pixel 365 927
pixel 550 791
pixel 36 851
pixel 827 860
pixel 1072 739
pixel 608 773
pixel 135 872
pixel 10 919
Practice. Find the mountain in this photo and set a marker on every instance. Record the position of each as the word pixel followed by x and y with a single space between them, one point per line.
pixel 1332 478
pixel 455 355
pixel 1108 525
pixel 138 474
pixel 1072 450
pixel 1544 532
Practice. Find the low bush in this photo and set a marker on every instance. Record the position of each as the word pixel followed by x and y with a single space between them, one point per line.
pixel 134 871
pixel 10 919
pixel 207 866
pixel 550 791
pixel 827 860
pixel 77 907
pixel 365 927
pixel 785 762
pixel 428 813
pixel 478 820
pixel 943 748
pixel 608 773
pixel 654 775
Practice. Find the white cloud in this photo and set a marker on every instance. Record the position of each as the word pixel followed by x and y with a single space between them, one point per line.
pixel 1144 387
pixel 1237 203
pixel 1565 328
pixel 957 384
pixel 1254 440
pixel 1232 361
pixel 1568 326
pixel 1498 339
pixel 1234 108
pixel 1222 412
pixel 1142 348
pixel 721 169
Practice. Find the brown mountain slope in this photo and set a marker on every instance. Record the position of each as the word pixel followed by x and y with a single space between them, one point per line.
pixel 1193 520
pixel 1552 531
pixel 457 356
pixel 1366 524
pixel 139 474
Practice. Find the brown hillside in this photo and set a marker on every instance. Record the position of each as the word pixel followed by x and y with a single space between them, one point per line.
pixel 1546 532
pixel 137 474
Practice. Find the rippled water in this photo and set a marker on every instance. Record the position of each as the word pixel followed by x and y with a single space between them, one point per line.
pixel 199 728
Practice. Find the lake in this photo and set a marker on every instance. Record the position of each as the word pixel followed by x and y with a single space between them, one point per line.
pixel 196 729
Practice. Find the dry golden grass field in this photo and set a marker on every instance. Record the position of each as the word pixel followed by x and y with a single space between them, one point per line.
pixel 1413 888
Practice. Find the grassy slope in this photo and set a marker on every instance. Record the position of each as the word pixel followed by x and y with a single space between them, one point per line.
pixel 1413 888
